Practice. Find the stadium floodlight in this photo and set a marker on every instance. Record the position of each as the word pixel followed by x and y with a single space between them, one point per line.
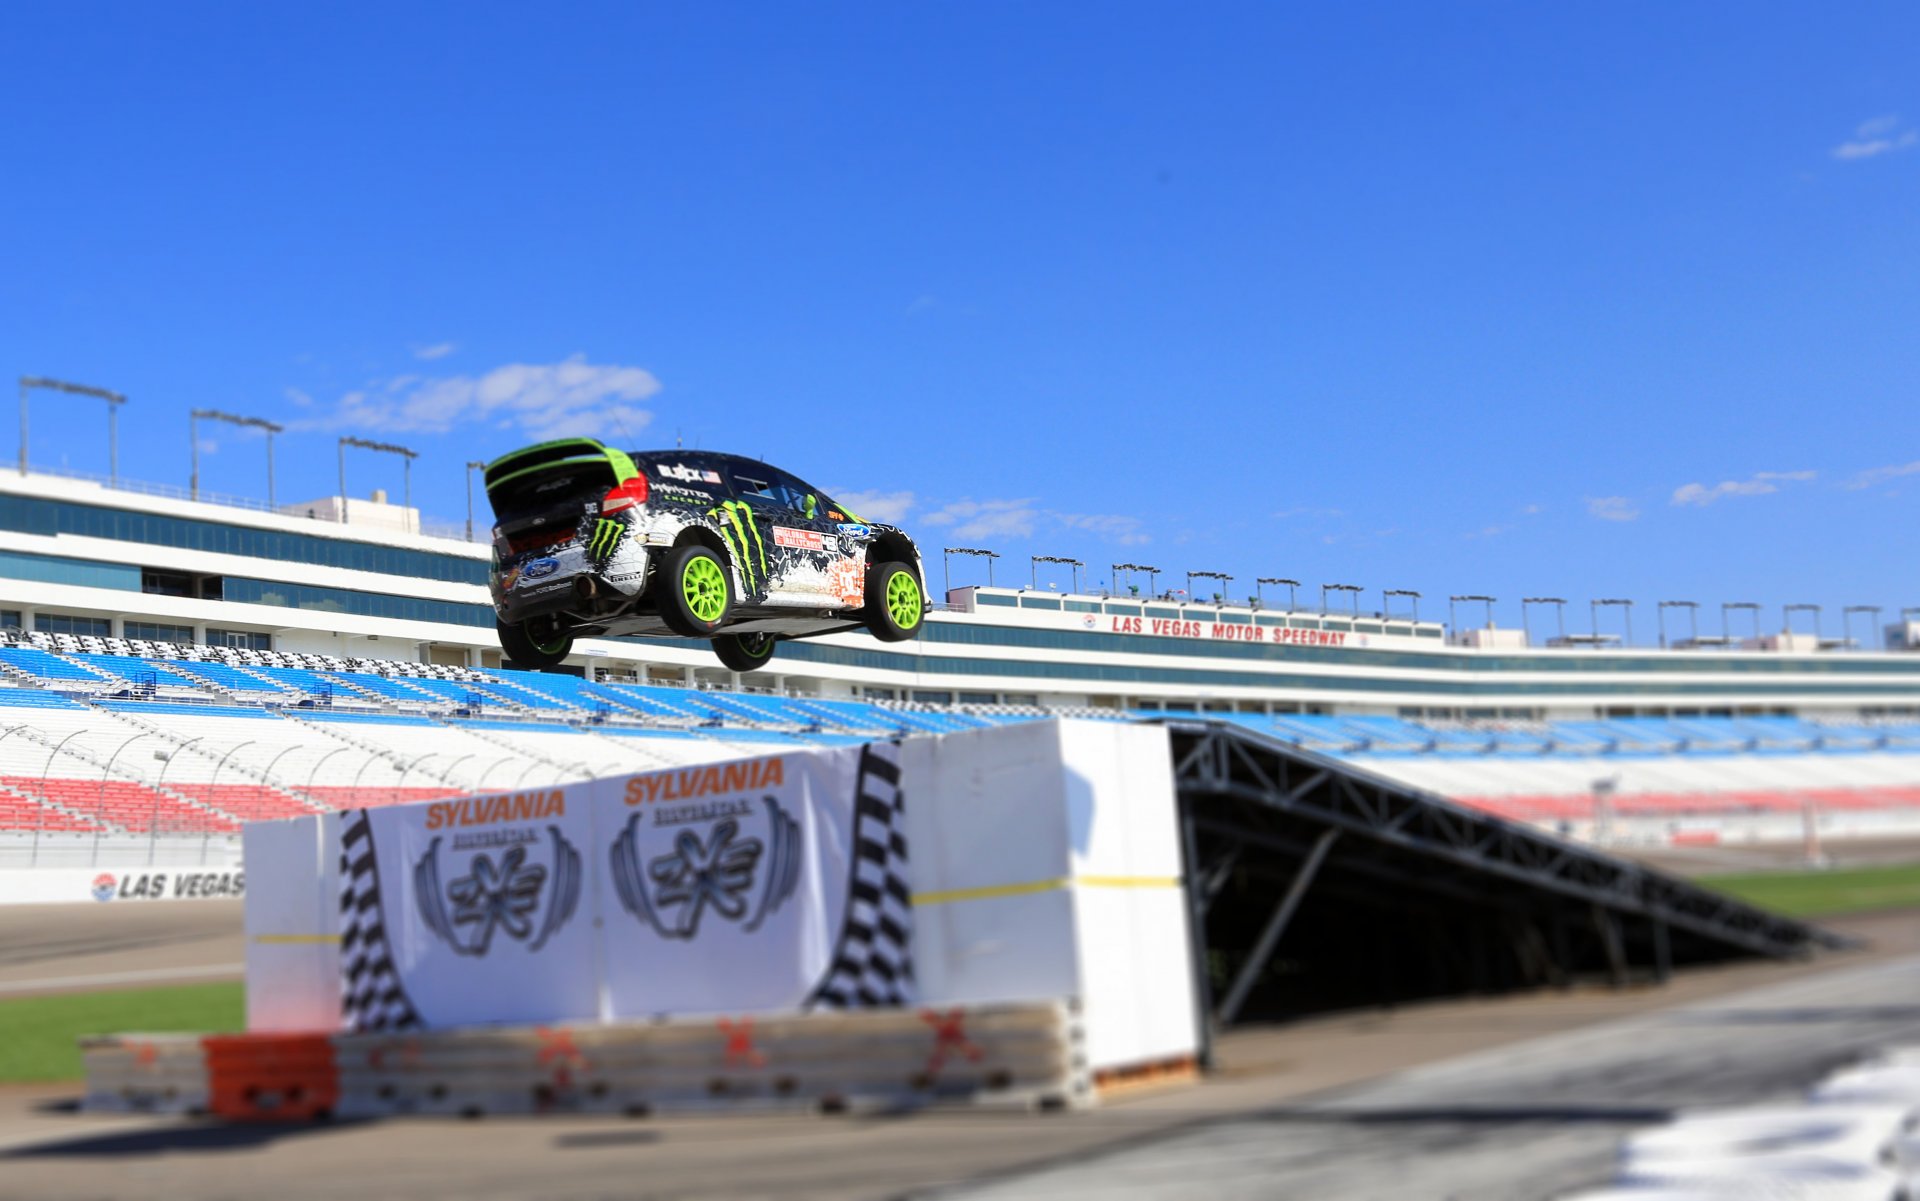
pixel 1612 602
pixel 945 568
pixel 1221 576
pixel 1034 562
pixel 1386 605
pixel 473 465
pixel 114 401
pixel 1693 616
pixel 1559 604
pixel 407 456
pixel 1152 574
pixel 1750 607
pixel 1292 587
pixel 1354 589
pixel 1453 625
pixel 1786 618
pixel 193 436
pixel 1846 618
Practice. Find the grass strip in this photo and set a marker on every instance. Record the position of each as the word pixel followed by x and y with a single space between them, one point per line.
pixel 37 1033
pixel 1825 893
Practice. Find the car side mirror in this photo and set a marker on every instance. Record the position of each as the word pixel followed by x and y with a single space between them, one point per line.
pixel 810 504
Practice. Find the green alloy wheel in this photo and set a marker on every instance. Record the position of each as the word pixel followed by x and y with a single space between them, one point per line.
pixel 744 652
pixel 696 591
pixel 535 644
pixel 895 603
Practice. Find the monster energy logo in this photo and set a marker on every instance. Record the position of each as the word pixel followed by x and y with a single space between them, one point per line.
pixel 736 527
pixel 607 533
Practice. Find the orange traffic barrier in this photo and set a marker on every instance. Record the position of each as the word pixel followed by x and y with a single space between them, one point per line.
pixel 272 1077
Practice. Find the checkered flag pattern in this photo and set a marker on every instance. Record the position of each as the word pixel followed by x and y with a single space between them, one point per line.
pixel 371 995
pixel 873 960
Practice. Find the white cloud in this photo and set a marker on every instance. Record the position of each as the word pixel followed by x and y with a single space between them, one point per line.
pixel 987 518
pixel 1880 475
pixel 1612 508
pixel 1882 135
pixel 541 400
pixel 439 350
pixel 1760 483
pixel 888 507
pixel 1108 527
pixel 1532 510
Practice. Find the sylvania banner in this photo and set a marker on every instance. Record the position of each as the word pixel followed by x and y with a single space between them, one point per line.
pixel 770 884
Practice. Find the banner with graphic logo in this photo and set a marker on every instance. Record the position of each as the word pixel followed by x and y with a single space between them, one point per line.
pixel 767 884
pixel 777 883
pixel 466 911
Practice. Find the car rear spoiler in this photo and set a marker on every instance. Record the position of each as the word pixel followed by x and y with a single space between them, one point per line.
pixel 565 452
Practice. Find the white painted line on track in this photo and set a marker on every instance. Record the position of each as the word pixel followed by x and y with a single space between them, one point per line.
pixel 111 978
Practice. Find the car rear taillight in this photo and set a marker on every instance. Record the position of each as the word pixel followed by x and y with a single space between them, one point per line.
pixel 625 496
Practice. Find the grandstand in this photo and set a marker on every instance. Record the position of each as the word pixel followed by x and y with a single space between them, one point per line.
pixel 115 737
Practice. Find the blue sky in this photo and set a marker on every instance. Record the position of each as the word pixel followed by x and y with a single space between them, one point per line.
pixel 1587 300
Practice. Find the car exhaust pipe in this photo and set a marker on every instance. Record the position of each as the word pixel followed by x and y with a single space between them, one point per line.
pixel 586 587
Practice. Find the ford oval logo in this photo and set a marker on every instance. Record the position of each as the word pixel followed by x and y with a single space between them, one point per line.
pixel 856 530
pixel 540 569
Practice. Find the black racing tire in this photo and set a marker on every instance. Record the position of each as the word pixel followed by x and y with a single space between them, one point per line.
pixel 896 603
pixel 543 645
pixel 694 591
pixel 745 652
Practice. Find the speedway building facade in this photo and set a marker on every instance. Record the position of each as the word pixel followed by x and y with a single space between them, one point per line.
pixel 171 668
pixel 81 559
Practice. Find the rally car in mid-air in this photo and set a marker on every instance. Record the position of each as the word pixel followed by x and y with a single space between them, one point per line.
pixel 590 540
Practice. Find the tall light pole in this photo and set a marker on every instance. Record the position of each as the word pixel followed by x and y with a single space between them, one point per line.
pixel 976 552
pixel 114 401
pixel 1693 615
pixel 1786 619
pixel 1292 590
pixel 1152 572
pixel 1559 604
pixel 1453 625
pixel 472 466
pixel 408 456
pixel 1612 602
pixel 193 435
pixel 1221 576
pixel 1034 562
pixel 1406 592
pixel 1752 608
pixel 1846 618
pixel 1353 589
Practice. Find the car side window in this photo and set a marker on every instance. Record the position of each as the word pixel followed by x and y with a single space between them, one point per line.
pixel 760 488
pixel 800 498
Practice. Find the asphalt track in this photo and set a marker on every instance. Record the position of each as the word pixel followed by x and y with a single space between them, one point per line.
pixel 80 948
pixel 1520 1097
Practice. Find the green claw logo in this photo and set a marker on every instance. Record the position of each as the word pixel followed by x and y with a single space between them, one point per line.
pixel 736 526
pixel 607 533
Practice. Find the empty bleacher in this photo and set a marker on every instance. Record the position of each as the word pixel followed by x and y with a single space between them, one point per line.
pixel 102 736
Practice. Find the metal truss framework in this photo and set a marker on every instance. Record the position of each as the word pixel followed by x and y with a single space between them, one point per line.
pixel 1468 854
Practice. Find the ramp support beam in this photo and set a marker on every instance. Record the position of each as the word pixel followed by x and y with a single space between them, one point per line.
pixel 1256 963
pixel 1197 903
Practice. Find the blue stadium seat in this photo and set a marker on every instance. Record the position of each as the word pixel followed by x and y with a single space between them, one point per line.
pixel 44 666
pixel 131 668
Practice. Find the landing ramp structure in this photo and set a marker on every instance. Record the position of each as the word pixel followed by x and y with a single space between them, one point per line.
pixel 1315 883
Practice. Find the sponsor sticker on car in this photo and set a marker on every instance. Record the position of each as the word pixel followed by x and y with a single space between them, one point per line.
pixel 799 539
pixel 690 475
